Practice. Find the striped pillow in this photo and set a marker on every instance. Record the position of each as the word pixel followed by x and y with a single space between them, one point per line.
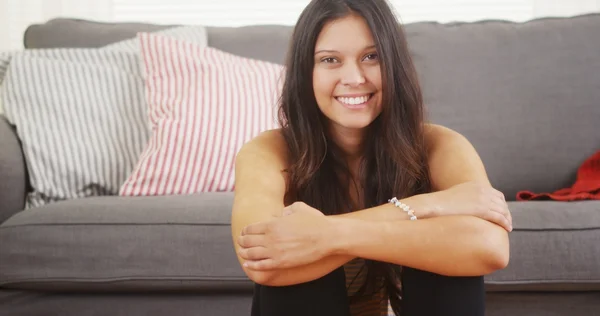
pixel 81 117
pixel 191 33
pixel 5 58
pixel 204 105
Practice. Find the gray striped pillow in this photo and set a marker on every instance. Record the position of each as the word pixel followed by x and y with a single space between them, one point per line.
pixel 4 61
pixel 81 117
pixel 191 33
pixel 5 58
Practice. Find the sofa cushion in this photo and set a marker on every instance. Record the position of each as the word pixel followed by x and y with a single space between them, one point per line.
pixel 193 33
pixel 13 175
pixel 264 42
pixel 554 246
pixel 122 244
pixel 525 94
pixel 67 32
pixel 184 242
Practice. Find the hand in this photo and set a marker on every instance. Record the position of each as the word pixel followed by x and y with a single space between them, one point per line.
pixel 297 238
pixel 475 199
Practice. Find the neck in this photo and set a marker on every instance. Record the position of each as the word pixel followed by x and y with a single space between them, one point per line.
pixel 351 142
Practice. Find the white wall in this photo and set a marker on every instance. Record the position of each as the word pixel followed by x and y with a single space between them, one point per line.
pixel 16 15
pixel 543 8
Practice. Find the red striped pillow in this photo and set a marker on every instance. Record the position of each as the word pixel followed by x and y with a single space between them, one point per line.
pixel 204 105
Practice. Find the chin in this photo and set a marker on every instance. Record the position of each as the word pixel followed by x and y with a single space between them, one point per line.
pixel 355 123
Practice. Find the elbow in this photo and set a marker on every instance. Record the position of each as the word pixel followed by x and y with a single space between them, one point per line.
pixel 495 249
pixel 498 260
pixel 261 277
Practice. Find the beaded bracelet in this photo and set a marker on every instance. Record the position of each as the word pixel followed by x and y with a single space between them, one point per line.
pixel 404 207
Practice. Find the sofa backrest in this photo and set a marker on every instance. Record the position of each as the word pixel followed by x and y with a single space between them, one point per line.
pixel 527 95
pixel 266 42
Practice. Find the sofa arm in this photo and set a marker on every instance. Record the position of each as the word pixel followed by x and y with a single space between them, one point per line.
pixel 13 176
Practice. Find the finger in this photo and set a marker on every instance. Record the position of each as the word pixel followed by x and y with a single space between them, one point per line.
pixel 503 210
pixel 266 264
pixel 501 207
pixel 250 241
pixel 254 253
pixel 499 194
pixel 255 229
pixel 497 218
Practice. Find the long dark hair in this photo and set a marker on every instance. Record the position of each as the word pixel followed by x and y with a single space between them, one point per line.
pixel 394 161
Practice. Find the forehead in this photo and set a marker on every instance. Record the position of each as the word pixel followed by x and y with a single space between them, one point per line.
pixel 347 32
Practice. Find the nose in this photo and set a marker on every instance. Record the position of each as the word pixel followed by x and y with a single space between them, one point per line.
pixel 352 75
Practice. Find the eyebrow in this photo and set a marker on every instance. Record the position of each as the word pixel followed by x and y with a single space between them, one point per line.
pixel 335 51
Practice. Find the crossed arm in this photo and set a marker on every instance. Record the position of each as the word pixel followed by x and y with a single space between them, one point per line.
pixel 449 245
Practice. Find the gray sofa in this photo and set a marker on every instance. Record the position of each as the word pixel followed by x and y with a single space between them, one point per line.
pixel 527 95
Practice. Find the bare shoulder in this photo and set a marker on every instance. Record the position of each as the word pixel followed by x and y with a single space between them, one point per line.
pixel 440 139
pixel 260 182
pixel 268 147
pixel 452 158
pixel 435 132
pixel 260 170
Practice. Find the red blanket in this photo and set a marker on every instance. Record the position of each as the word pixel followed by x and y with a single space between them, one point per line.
pixel 586 187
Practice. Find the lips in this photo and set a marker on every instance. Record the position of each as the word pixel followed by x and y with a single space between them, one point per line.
pixel 354 101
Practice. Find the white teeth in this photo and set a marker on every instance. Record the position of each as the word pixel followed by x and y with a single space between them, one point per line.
pixel 354 101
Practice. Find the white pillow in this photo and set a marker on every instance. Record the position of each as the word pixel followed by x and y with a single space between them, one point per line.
pixel 5 58
pixel 81 117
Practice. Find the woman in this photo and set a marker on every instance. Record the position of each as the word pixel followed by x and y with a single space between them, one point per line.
pixel 315 223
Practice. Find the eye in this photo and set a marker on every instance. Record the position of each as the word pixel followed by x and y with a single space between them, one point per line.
pixel 328 60
pixel 372 56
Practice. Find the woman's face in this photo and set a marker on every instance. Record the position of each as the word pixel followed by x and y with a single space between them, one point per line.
pixel 347 76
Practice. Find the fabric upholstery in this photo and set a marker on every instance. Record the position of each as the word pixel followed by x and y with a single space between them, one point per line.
pixel 264 42
pixel 123 244
pixel 191 33
pixel 525 94
pixel 13 174
pixel 66 33
pixel 554 246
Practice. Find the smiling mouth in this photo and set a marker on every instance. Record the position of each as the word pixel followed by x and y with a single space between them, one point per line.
pixel 355 101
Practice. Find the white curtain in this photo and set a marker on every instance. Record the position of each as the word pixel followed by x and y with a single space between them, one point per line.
pixel 16 15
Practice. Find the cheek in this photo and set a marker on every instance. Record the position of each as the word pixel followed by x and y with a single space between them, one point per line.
pixel 323 84
pixel 374 77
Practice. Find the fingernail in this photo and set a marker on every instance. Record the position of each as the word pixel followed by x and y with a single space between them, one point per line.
pixel 245 264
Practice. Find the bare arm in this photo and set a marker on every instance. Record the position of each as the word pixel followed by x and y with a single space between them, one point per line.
pixel 259 196
pixel 452 159
pixel 454 164
pixel 452 245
